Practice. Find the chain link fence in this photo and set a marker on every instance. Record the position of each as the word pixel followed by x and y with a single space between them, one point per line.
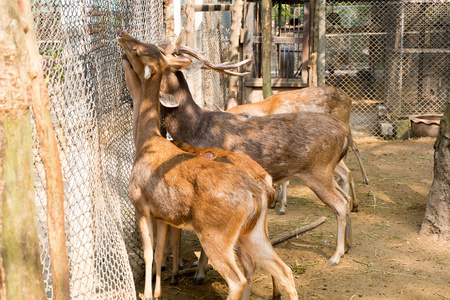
pixel 392 58
pixel 90 107
pixel 91 113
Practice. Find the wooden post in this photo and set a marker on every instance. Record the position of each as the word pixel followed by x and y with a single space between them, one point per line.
pixel 314 43
pixel 236 26
pixel 20 266
pixel 266 47
pixel 190 39
pixel 306 42
pixel 321 30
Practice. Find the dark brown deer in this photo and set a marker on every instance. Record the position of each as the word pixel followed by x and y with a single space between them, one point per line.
pixel 326 99
pixel 222 204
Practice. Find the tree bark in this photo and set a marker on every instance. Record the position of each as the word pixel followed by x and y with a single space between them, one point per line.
pixel 40 104
pixel 266 47
pixel 21 270
pixel 436 223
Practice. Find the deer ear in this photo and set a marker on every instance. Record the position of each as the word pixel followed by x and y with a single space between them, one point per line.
pixel 148 71
pixel 231 103
pixel 168 100
pixel 194 67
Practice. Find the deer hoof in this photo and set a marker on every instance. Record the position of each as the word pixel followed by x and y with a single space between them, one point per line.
pixel 280 213
pixel 198 281
pixel 174 280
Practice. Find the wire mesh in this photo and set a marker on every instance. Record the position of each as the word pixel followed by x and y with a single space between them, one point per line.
pixel 391 57
pixel 92 118
pixel 212 40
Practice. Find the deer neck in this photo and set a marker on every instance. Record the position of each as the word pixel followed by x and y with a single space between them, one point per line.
pixel 188 115
pixel 146 113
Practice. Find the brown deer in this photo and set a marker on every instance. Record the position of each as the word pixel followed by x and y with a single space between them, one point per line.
pixel 222 204
pixel 326 99
pixel 240 161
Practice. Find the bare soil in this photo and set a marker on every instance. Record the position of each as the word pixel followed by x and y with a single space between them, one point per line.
pixel 388 259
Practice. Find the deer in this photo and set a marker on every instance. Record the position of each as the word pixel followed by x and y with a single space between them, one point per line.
pixel 325 99
pixel 223 205
pixel 240 161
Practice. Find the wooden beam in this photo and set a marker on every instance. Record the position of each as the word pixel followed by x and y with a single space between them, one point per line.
pixel 306 36
pixel 209 7
pixel 266 46
pixel 276 82
pixel 236 26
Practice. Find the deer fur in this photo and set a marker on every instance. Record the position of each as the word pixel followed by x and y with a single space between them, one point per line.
pixel 222 204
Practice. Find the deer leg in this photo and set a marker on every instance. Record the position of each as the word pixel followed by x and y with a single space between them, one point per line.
pixel 161 237
pixel 358 156
pixel 249 270
pixel 346 181
pixel 267 257
pixel 283 199
pixel 146 230
pixel 276 295
pixel 277 193
pixel 348 227
pixel 326 188
pixel 220 251
pixel 166 254
pixel 200 275
pixel 175 241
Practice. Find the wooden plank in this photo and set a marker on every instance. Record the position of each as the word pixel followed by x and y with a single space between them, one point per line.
pixel 280 40
pixel 209 7
pixel 275 82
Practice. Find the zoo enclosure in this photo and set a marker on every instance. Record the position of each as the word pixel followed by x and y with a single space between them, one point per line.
pixel 392 54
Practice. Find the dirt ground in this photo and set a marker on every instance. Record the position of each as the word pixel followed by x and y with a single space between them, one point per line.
pixel 388 259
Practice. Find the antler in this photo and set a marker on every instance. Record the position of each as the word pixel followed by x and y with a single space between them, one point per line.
pixel 221 68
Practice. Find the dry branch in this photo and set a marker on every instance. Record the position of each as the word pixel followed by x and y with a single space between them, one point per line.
pixel 289 234
pixel 189 271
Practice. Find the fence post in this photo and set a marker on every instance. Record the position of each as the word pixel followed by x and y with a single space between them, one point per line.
pixel 234 46
pixel 266 46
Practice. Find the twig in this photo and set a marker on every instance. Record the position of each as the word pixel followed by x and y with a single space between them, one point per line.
pixel 297 231
pixel 188 272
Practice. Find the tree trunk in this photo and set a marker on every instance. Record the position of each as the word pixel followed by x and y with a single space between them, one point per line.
pixel 436 223
pixel 40 104
pixel 20 269
pixel 266 47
